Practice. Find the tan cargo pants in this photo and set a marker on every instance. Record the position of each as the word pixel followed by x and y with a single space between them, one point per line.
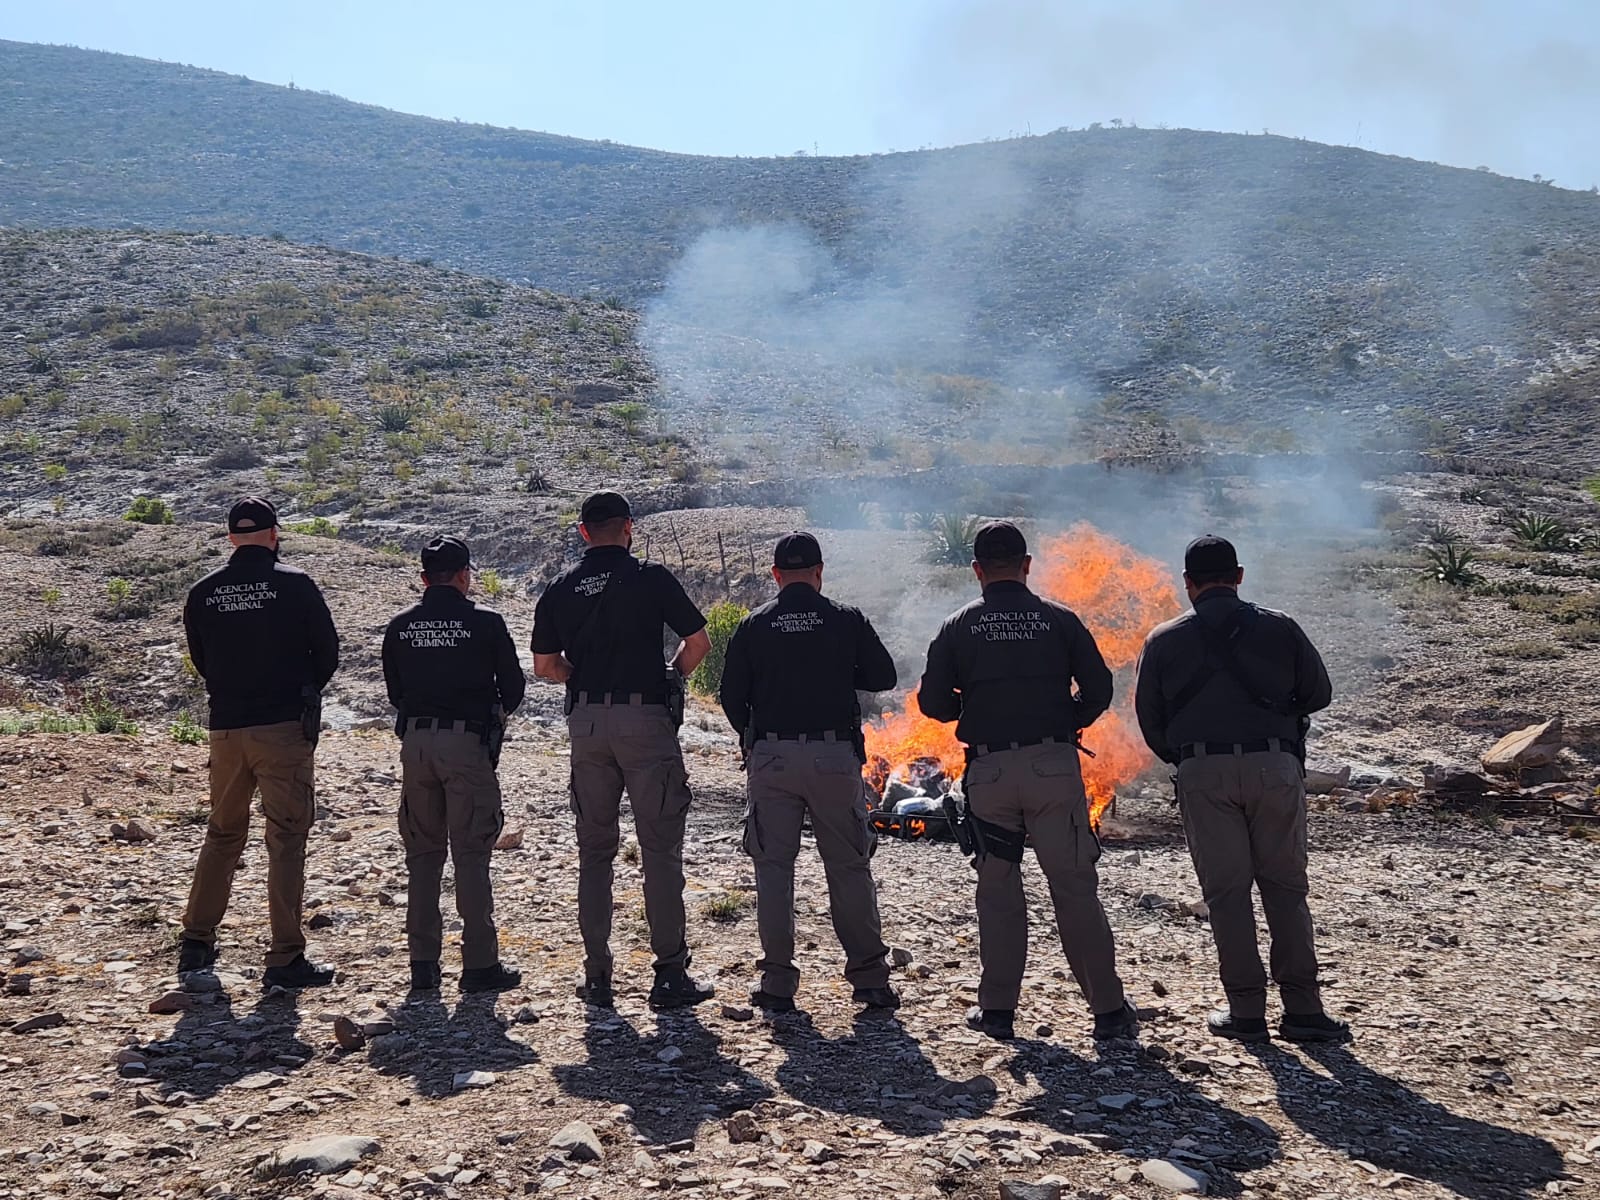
pixel 632 747
pixel 787 780
pixel 1245 817
pixel 1039 790
pixel 277 759
pixel 449 802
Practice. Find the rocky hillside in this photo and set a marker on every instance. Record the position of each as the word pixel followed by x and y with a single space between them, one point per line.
pixel 192 367
pixel 1307 292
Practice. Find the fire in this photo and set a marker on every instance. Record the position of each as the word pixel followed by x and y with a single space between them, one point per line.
pixel 1120 595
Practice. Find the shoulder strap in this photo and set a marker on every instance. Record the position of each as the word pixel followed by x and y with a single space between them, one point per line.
pixel 1219 642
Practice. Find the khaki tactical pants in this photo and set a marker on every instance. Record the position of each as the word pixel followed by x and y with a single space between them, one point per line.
pixel 1245 817
pixel 1039 789
pixel 632 747
pixel 277 759
pixel 787 781
pixel 449 802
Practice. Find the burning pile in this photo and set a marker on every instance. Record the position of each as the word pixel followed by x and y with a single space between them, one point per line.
pixel 1121 595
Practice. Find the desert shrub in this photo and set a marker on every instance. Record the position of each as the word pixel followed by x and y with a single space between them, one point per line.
pixel 950 539
pixel 536 482
pixel 721 621
pixel 168 329
pixel 186 731
pixel 105 715
pixel 1440 534
pixel 51 652
pixel 477 306
pixel 631 413
pixel 493 586
pixel 726 908
pixel 147 510
pixel 316 527
pixel 238 456
pixel 1452 564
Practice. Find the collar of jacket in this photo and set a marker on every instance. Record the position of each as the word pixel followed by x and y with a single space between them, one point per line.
pixel 1006 587
pixel 1216 592
pixel 253 553
pixel 600 551
pixel 443 594
pixel 801 589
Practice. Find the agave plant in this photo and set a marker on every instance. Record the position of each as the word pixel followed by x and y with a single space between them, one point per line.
pixel 1539 532
pixel 950 539
pixel 1452 564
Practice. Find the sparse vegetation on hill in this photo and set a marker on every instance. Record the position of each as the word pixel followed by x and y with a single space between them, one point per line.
pixel 1208 282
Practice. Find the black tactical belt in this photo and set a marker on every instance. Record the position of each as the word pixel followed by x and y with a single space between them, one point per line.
pixel 1227 749
pixel 448 725
pixel 980 750
pixel 621 697
pixel 819 735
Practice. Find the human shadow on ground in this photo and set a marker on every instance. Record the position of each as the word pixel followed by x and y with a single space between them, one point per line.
pixel 851 1074
pixel 1168 1116
pixel 434 1044
pixel 212 1048
pixel 671 1096
pixel 1377 1118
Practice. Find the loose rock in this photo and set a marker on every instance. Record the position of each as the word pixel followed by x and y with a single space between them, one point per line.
pixel 319 1155
pixel 578 1142
pixel 1174 1177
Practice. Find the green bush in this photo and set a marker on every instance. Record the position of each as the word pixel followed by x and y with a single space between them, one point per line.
pixel 1539 532
pixel 316 527
pixel 51 653
pixel 187 732
pixel 721 621
pixel 950 539
pixel 149 511
pixel 105 715
pixel 1452 564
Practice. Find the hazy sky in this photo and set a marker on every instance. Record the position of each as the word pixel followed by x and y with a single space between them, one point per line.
pixel 1510 84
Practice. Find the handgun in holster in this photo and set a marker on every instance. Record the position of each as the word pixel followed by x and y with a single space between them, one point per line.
pixel 675 695
pixel 311 712
pixel 494 734
pixel 747 743
pixel 858 735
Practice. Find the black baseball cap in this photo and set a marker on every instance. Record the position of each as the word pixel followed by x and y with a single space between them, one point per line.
pixel 251 515
pixel 999 541
pixel 446 554
pixel 604 506
pixel 796 551
pixel 1210 555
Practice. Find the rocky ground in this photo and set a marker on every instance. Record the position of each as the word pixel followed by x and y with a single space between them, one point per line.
pixel 1465 957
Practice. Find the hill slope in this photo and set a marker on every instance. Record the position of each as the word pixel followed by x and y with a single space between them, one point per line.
pixel 1197 273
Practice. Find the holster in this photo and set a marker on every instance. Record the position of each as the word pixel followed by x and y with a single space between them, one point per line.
pixel 570 703
pixel 400 721
pixel 747 743
pixel 311 713
pixel 494 735
pixel 675 696
pixel 858 735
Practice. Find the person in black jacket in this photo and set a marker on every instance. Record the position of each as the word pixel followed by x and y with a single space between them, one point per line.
pixel 598 629
pixel 453 676
pixel 1003 668
pixel 261 637
pixel 788 688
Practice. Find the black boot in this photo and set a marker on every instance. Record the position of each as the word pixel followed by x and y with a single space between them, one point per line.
pixel 1312 1027
pixel 598 993
pixel 885 997
pixel 767 1002
pixel 1240 1029
pixel 301 973
pixel 675 989
pixel 498 978
pixel 1119 1023
pixel 195 955
pixel 997 1023
pixel 424 976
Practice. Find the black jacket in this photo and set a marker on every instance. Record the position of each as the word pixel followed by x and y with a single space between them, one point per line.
pixel 794 665
pixel 446 657
pixel 259 631
pixel 1272 650
pixel 1004 665
pixel 623 650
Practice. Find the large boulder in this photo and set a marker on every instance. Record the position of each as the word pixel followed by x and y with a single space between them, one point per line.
pixel 1525 750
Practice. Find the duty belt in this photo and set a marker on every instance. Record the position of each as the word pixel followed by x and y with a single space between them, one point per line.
pixel 620 697
pixel 819 735
pixel 980 750
pixel 448 725
pixel 1227 749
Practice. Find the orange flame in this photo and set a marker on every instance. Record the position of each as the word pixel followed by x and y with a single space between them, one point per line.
pixel 1120 595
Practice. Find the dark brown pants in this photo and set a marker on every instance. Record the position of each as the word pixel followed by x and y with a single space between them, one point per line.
pixel 1039 789
pixel 449 802
pixel 1245 817
pixel 278 760
pixel 787 781
pixel 632 747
